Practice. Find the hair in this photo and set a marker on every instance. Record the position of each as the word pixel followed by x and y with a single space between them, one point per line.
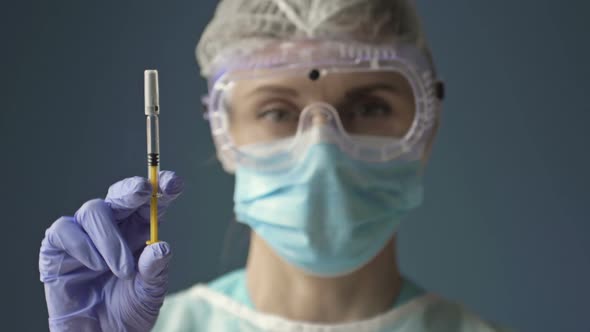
pixel 240 27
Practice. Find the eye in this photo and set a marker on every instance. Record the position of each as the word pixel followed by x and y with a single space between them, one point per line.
pixel 277 114
pixel 370 109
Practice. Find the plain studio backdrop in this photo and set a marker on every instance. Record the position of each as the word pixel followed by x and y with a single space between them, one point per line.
pixel 504 228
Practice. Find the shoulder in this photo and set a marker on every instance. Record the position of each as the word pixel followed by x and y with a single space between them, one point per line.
pixel 427 311
pixel 181 311
pixel 438 314
pixel 192 308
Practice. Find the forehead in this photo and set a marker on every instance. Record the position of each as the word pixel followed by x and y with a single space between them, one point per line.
pixel 330 82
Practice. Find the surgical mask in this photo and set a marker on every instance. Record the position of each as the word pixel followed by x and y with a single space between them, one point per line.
pixel 328 214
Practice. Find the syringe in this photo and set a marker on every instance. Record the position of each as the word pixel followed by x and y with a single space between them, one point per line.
pixel 152 112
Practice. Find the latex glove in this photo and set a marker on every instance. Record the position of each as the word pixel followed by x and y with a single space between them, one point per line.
pixel 98 273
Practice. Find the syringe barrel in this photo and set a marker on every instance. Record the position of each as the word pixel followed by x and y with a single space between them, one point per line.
pixel 153 139
pixel 152 111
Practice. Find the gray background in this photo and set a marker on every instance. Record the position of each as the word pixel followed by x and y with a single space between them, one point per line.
pixel 505 224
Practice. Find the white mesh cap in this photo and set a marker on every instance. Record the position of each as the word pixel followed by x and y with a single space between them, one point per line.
pixel 240 27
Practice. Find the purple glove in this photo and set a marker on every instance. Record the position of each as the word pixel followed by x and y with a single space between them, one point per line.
pixel 98 273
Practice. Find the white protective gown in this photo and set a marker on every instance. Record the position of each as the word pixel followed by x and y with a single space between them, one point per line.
pixel 224 305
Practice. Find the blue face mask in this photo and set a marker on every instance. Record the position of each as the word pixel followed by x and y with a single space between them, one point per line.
pixel 328 214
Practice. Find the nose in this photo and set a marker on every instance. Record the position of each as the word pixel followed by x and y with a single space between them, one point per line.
pixel 319 115
pixel 319 119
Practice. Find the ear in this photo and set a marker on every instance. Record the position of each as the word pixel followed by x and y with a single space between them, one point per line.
pixel 440 95
pixel 205 106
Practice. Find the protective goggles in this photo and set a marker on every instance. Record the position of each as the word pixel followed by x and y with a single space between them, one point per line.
pixel 376 104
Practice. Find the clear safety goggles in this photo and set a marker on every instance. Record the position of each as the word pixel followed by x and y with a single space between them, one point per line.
pixel 376 104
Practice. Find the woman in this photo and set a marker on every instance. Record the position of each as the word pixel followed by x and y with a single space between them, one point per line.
pixel 325 111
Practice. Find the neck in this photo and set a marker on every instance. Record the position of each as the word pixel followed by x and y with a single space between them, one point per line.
pixel 278 288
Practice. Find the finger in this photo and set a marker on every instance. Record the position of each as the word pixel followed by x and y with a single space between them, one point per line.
pixel 66 248
pixel 97 220
pixel 151 282
pixel 153 264
pixel 171 186
pixel 136 231
pixel 127 195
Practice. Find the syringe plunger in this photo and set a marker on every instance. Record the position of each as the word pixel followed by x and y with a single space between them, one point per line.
pixel 152 95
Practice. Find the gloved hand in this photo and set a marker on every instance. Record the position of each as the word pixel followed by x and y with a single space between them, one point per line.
pixel 98 273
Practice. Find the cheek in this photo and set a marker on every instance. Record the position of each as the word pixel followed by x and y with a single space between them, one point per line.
pixel 429 145
pixel 405 114
pixel 240 137
pixel 241 130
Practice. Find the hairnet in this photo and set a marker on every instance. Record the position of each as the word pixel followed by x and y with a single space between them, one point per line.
pixel 240 27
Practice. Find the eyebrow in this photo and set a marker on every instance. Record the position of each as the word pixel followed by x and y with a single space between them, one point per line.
pixel 274 89
pixel 361 90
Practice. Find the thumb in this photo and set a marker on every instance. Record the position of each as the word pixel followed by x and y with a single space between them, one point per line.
pixel 152 278
pixel 140 311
